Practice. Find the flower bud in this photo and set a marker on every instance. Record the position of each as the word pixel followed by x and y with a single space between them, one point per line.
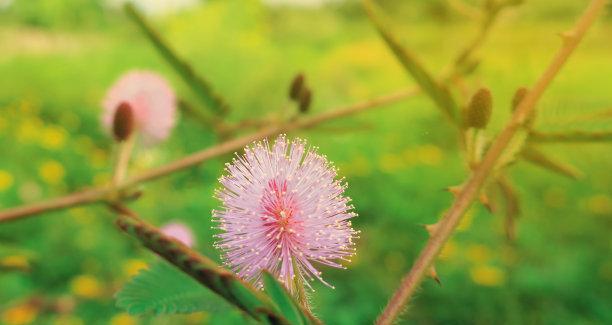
pixel 123 122
pixel 296 86
pixel 305 99
pixel 478 112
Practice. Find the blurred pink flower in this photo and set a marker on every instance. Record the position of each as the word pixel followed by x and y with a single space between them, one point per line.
pixel 152 100
pixel 283 210
pixel 180 232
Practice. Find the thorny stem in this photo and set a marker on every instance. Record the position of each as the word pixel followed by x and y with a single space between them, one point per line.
pixel 200 268
pixel 470 190
pixel 98 194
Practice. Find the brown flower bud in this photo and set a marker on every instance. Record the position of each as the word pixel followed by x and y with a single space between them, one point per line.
pixel 478 112
pixel 123 122
pixel 297 86
pixel 305 99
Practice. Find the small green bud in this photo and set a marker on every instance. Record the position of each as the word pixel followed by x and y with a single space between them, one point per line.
pixel 123 122
pixel 478 112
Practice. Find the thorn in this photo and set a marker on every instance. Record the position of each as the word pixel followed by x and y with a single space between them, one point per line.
pixel 568 35
pixel 434 275
pixel 454 190
pixel 484 200
pixel 431 228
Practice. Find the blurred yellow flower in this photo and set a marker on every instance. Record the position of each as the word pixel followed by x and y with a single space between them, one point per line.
pixel 29 129
pixel 489 276
pixel 6 180
pixel 133 266
pixel 478 254
pixel 86 286
pixel 28 107
pixel 123 319
pixel 52 137
pixel 20 315
pixel 15 261
pixel 197 318
pixel 429 154
pixel 599 204
pixel 68 320
pixel 51 172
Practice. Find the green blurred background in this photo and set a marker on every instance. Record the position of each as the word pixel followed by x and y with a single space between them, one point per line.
pixel 57 58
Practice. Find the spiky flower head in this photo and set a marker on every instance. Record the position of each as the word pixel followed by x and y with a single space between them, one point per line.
pixel 283 210
pixel 151 99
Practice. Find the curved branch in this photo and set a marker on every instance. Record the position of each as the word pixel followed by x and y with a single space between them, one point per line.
pixel 100 193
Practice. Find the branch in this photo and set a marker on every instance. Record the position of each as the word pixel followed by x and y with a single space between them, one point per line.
pixel 439 93
pixel 199 85
pixel 570 136
pixel 100 193
pixel 470 190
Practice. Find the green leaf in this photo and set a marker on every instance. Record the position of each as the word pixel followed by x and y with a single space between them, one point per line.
pixel 162 289
pixel 440 94
pixel 283 300
pixel 540 159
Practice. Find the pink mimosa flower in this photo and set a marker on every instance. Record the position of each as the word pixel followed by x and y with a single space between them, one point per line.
pixel 152 100
pixel 283 210
pixel 180 232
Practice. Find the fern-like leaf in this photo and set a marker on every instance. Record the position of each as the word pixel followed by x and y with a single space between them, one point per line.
pixel 162 289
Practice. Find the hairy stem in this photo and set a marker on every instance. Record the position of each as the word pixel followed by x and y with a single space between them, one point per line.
pixel 472 187
pixel 98 194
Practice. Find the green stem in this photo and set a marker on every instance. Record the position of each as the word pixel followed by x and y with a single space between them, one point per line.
pixel 125 149
pixel 570 136
pixel 198 84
